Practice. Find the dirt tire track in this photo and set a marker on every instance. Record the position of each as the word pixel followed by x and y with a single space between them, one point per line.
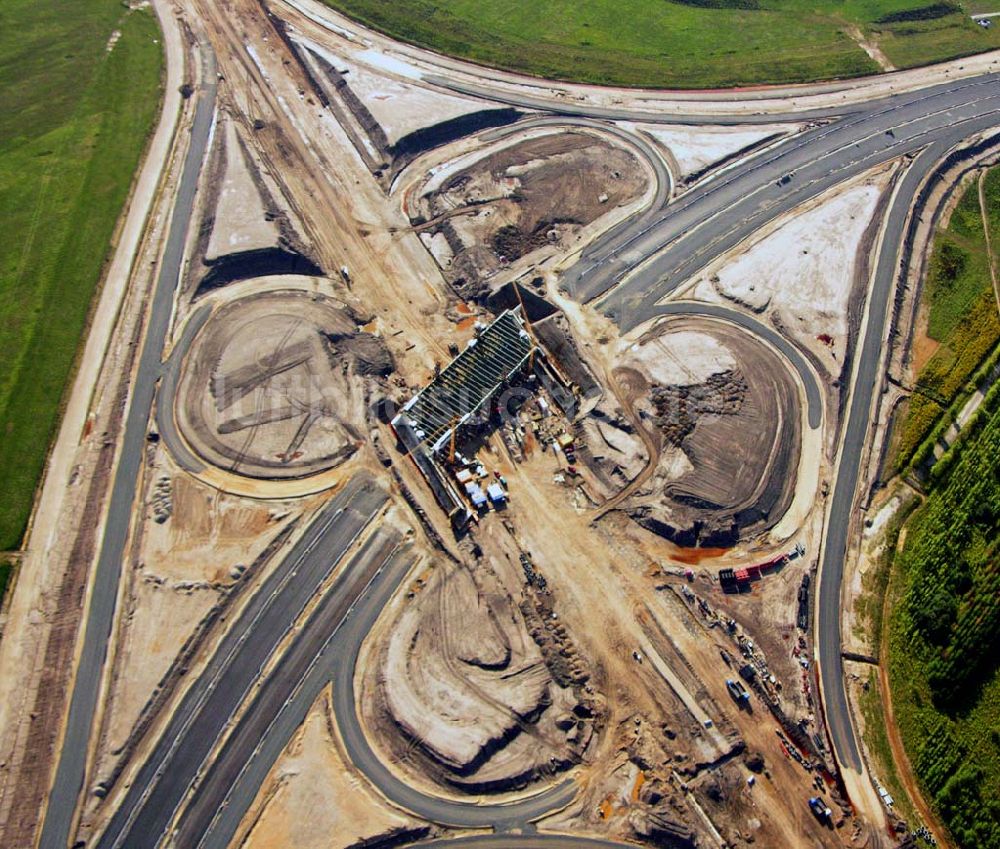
pixel 625 401
pixel 986 232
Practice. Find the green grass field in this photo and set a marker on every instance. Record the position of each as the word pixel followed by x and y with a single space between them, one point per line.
pixel 7 567
pixel 681 43
pixel 74 118
pixel 962 313
pixel 980 7
pixel 944 636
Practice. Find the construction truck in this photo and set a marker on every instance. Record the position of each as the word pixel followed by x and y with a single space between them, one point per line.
pixel 820 810
pixel 738 692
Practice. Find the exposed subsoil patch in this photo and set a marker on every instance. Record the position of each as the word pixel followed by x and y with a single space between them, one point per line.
pixel 274 386
pixel 479 689
pixel 386 157
pixel 246 230
pixel 520 199
pixel 723 410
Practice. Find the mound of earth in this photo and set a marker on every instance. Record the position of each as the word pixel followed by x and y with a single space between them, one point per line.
pixel 521 198
pixel 723 410
pixel 463 683
pixel 272 386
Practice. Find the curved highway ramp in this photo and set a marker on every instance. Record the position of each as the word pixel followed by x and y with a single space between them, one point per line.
pixel 202 716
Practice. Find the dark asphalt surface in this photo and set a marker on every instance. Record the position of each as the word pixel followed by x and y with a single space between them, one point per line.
pixel 859 413
pixel 633 269
pixel 571 108
pixel 632 304
pixel 196 724
pixel 635 266
pixel 282 703
pixel 68 782
pixel 327 650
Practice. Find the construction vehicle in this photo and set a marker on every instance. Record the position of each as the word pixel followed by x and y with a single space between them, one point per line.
pixel 820 810
pixel 738 692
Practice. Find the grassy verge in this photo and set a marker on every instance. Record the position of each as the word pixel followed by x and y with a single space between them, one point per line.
pixel 880 750
pixel 961 315
pixel 680 43
pixel 7 567
pixel 79 93
pixel 980 7
pixel 944 637
pixel 871 606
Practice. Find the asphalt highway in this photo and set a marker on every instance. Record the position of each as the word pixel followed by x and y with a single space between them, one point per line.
pixel 628 271
pixel 327 651
pixel 69 777
pixel 571 109
pixel 561 106
pixel 828 619
pixel 195 726
pixel 635 266
pixel 166 424
pixel 636 269
pixel 280 706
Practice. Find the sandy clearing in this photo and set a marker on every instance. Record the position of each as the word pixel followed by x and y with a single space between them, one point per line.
pixel 696 356
pixel 240 220
pixel 803 271
pixel 389 89
pixel 696 148
pixel 876 523
pixel 313 799
pixel 178 574
pixel 806 484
